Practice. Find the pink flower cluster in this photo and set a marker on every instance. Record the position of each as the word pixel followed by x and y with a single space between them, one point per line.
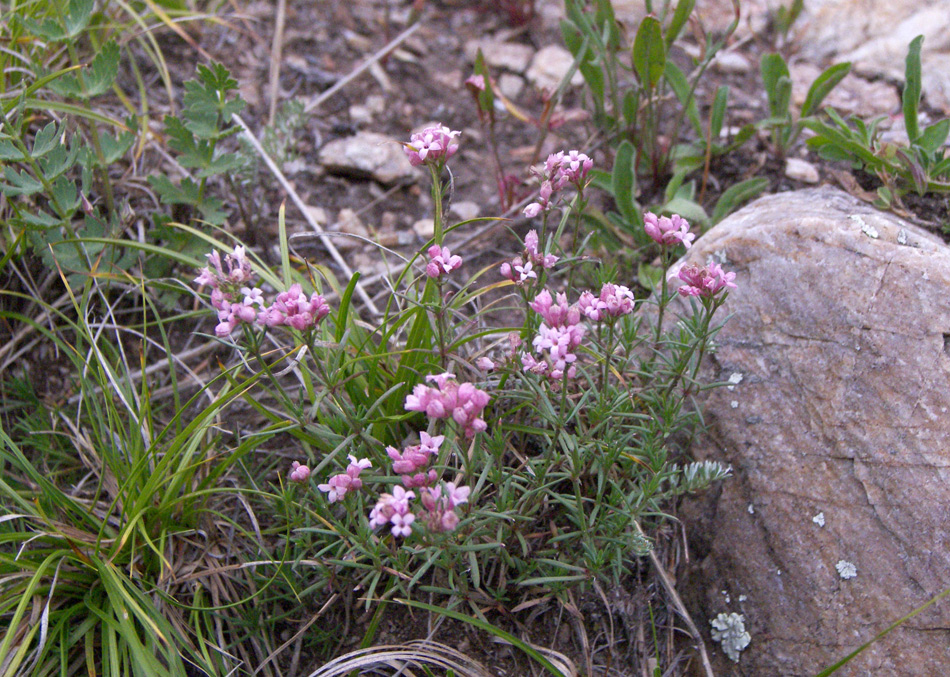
pixel 614 301
pixel 558 337
pixel 237 301
pixel 394 509
pixel 560 169
pixel 299 473
pixel 668 231
pixel 432 146
pixel 232 292
pixel 292 308
pixel 338 485
pixel 521 268
pixel 441 261
pixel 411 460
pixel 441 505
pixel 462 402
pixel 704 281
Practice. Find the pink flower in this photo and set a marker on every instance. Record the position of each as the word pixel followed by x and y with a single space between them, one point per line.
pixel 420 479
pixel 441 261
pixel 706 282
pixel 394 508
pixel 570 167
pixel 668 231
pixel 557 338
pixel 485 363
pixel 613 302
pixel 432 146
pixel 299 473
pixel 292 308
pixel 532 210
pixel 440 506
pixel 338 485
pixel 462 402
pixel 476 83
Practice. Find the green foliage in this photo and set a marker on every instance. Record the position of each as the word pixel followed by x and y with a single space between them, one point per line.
pixel 205 119
pixel 923 165
pixel 778 88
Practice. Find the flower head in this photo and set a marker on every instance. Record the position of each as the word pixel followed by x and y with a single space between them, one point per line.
pixel 614 301
pixel 463 402
pixel 669 231
pixel 293 308
pixel 705 281
pixel 441 261
pixel 299 473
pixel 432 146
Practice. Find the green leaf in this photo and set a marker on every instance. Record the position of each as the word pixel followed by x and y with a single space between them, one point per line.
pixel 624 182
pixel 911 97
pixel 226 162
pixel 8 151
pixel 649 52
pixel 114 147
pixel 680 86
pixel 718 113
pixel 934 136
pixel 19 183
pixel 736 195
pixel 823 85
pixel 486 97
pixel 45 140
pixel 774 71
pixel 103 70
pixel 680 15
pixel 77 17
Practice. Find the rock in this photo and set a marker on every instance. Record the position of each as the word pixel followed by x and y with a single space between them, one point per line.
pixel 874 34
pixel 800 170
pixel 465 210
pixel 549 66
pixel 731 62
pixel 842 337
pixel 368 155
pixel 510 56
pixel 510 85
pixel 348 222
pixel 424 228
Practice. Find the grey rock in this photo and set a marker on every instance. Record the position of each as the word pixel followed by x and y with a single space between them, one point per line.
pixel 874 34
pixel 510 56
pixel 801 170
pixel 550 66
pixel 843 341
pixel 368 155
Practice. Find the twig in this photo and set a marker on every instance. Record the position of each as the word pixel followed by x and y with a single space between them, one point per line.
pixel 680 607
pixel 388 47
pixel 302 206
pixel 275 57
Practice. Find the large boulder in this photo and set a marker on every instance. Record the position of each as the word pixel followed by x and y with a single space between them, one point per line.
pixel 837 425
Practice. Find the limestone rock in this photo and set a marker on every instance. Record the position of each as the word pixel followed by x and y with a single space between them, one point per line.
pixel 801 170
pixel 837 521
pixel 874 34
pixel 549 66
pixel 368 155
pixel 510 56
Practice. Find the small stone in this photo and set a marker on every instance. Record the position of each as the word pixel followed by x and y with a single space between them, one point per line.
pixel 510 85
pixel 731 62
pixel 465 210
pixel 549 66
pixel 388 221
pixel 819 519
pixel 318 214
pixel 800 170
pixel 734 404
pixel 360 115
pixel 509 56
pixel 368 155
pixel 424 228
pixel 348 222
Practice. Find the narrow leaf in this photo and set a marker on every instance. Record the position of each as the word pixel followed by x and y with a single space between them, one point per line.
pixel 911 97
pixel 649 52
pixel 823 85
